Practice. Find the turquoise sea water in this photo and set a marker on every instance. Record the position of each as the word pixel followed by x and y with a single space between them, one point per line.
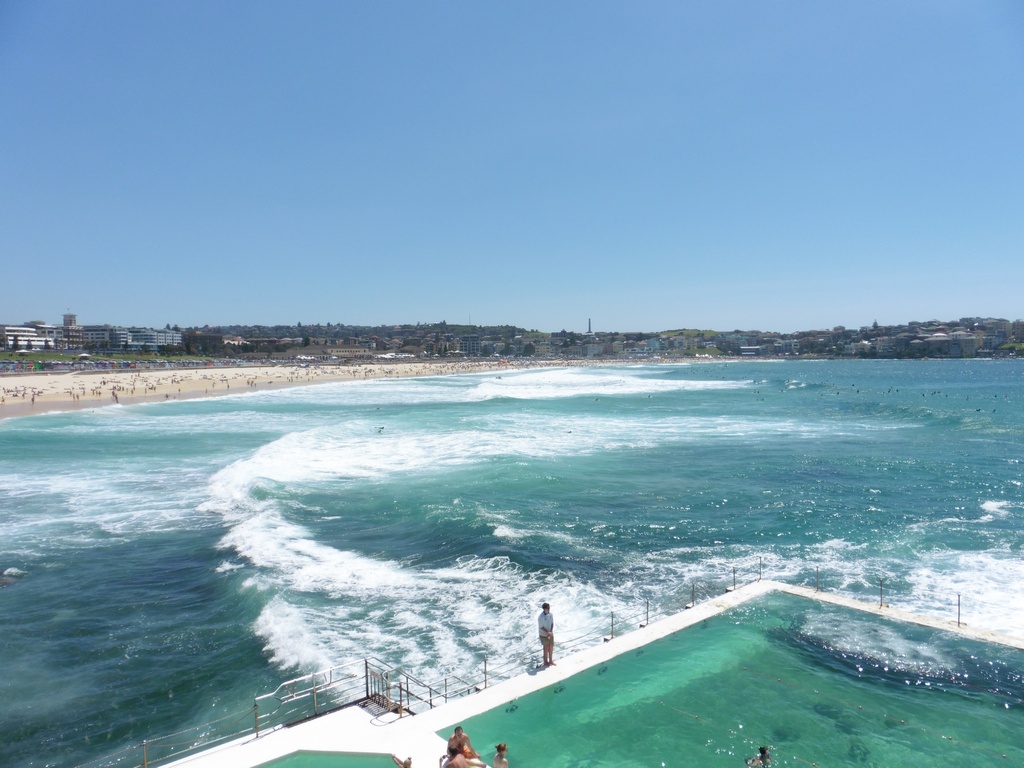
pixel 169 561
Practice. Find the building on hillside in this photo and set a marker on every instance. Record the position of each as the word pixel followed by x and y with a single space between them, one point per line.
pixel 72 332
pixel 105 337
pixel 153 338
pixel 963 344
pixel 994 338
pixel 135 338
pixel 937 344
pixel 470 345
pixel 52 336
pixel 18 337
pixel 573 350
pixel 350 352
pixel 885 345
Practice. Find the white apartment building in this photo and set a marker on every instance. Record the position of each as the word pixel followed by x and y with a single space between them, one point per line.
pixel 116 337
pixel 21 337
pixel 105 336
pixel 153 338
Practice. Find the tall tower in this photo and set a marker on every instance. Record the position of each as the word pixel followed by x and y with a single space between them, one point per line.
pixel 588 326
pixel 71 332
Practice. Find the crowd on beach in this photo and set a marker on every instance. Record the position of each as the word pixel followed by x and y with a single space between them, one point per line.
pixel 34 392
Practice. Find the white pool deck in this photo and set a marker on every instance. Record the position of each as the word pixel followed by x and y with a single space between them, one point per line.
pixel 354 730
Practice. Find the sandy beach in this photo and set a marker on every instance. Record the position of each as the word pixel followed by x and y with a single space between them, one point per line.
pixel 27 394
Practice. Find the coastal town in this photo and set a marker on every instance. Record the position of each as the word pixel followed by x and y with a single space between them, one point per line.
pixel 966 337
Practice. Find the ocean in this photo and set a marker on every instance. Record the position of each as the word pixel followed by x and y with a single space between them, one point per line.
pixel 166 562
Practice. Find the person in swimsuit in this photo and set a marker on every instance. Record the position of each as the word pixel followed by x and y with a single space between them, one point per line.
pixel 761 758
pixel 500 761
pixel 454 759
pixel 460 740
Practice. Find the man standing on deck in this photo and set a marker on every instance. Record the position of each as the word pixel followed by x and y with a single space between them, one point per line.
pixel 546 624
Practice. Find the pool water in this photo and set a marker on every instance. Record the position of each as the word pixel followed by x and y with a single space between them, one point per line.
pixel 818 684
pixel 330 760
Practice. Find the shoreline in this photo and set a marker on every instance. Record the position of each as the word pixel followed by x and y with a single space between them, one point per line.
pixel 33 394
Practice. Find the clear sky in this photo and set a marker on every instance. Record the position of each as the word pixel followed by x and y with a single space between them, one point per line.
pixel 725 164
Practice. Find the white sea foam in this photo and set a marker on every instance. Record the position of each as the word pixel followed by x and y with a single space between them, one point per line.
pixel 509 533
pixel 266 540
pixel 995 509
pixel 544 384
pixel 987 584
pixel 432 619
pixel 559 383
pixel 435 621
pixel 290 638
pixel 80 506
pixel 987 581
pixel 361 450
pixel 539 531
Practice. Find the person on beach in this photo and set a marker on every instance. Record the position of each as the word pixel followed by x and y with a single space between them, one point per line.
pixel 761 758
pixel 546 625
pixel 500 761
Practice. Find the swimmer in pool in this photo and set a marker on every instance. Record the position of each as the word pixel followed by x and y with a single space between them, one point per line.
pixel 761 758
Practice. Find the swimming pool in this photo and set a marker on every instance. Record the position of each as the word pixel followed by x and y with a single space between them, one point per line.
pixel 329 760
pixel 820 684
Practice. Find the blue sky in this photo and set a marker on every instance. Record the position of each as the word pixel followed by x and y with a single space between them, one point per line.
pixel 649 166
